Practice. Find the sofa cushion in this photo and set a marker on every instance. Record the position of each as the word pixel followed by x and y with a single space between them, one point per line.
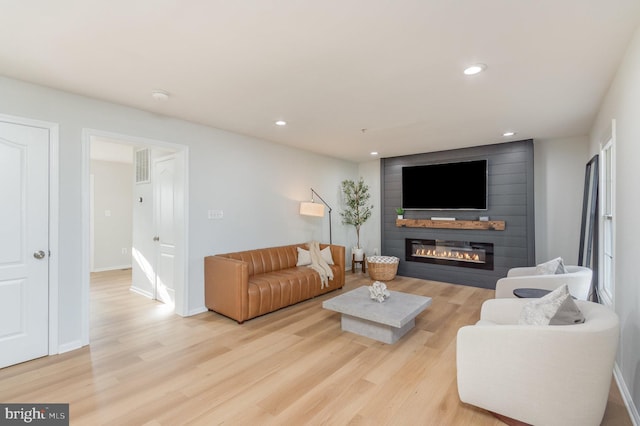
pixel 277 289
pixel 553 266
pixel 326 255
pixel 261 261
pixel 556 308
pixel 304 257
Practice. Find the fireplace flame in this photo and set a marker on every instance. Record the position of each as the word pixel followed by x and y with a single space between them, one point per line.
pixel 445 254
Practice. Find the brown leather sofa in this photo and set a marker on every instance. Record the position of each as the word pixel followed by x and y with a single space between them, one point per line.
pixel 248 284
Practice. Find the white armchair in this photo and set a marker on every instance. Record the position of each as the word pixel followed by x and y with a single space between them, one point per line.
pixel 541 375
pixel 578 279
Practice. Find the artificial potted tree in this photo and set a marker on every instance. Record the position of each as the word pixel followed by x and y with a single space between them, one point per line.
pixel 357 209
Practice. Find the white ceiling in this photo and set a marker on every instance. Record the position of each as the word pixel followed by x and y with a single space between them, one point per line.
pixel 333 68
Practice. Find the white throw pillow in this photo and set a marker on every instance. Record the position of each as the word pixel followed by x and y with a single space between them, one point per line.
pixel 326 255
pixel 304 257
pixel 556 308
pixel 554 266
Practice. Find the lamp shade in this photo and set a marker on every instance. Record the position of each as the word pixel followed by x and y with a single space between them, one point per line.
pixel 308 208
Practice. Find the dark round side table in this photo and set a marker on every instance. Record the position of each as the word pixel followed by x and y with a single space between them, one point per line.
pixel 530 293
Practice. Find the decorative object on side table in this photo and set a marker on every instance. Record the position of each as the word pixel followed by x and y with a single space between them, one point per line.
pixel 357 210
pixel 378 291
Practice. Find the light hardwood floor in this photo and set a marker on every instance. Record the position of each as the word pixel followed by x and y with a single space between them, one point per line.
pixel 146 366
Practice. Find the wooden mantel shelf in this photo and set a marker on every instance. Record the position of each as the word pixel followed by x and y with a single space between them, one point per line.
pixel 492 225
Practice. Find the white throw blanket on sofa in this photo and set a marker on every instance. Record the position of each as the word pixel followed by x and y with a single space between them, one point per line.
pixel 319 265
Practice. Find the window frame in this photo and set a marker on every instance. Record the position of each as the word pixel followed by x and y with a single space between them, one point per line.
pixel 607 225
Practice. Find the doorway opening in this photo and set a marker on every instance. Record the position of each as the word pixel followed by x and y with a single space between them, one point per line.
pixel 132 224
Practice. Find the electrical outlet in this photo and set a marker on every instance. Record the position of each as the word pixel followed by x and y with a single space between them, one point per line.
pixel 124 250
pixel 215 214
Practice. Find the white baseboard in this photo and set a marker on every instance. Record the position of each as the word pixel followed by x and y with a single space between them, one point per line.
pixel 141 292
pixel 626 396
pixel 111 268
pixel 71 346
pixel 197 311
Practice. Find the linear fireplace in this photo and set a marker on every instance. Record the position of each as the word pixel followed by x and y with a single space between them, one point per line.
pixel 448 252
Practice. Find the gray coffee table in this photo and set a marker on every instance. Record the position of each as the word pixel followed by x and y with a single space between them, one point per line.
pixel 386 322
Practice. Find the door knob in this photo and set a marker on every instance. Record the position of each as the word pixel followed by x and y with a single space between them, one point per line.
pixel 156 238
pixel 39 254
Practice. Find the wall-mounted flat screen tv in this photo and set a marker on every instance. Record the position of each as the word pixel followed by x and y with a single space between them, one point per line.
pixel 445 186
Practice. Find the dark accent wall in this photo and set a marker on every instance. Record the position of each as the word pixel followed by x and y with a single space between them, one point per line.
pixel 510 184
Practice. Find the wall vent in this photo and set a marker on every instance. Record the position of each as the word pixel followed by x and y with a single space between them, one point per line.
pixel 142 166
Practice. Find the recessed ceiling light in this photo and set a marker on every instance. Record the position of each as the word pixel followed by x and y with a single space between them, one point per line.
pixel 281 123
pixel 508 133
pixel 160 95
pixel 374 152
pixel 475 69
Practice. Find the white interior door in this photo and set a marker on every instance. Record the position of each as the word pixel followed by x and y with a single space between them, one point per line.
pixel 166 196
pixel 24 242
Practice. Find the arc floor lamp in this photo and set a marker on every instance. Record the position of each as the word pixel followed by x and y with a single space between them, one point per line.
pixel 311 208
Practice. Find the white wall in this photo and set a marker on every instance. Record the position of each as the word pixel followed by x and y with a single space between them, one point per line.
pixel 371 231
pixel 112 214
pixel 559 168
pixel 258 185
pixel 622 103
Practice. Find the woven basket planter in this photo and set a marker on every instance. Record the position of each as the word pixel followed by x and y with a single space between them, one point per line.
pixel 382 268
